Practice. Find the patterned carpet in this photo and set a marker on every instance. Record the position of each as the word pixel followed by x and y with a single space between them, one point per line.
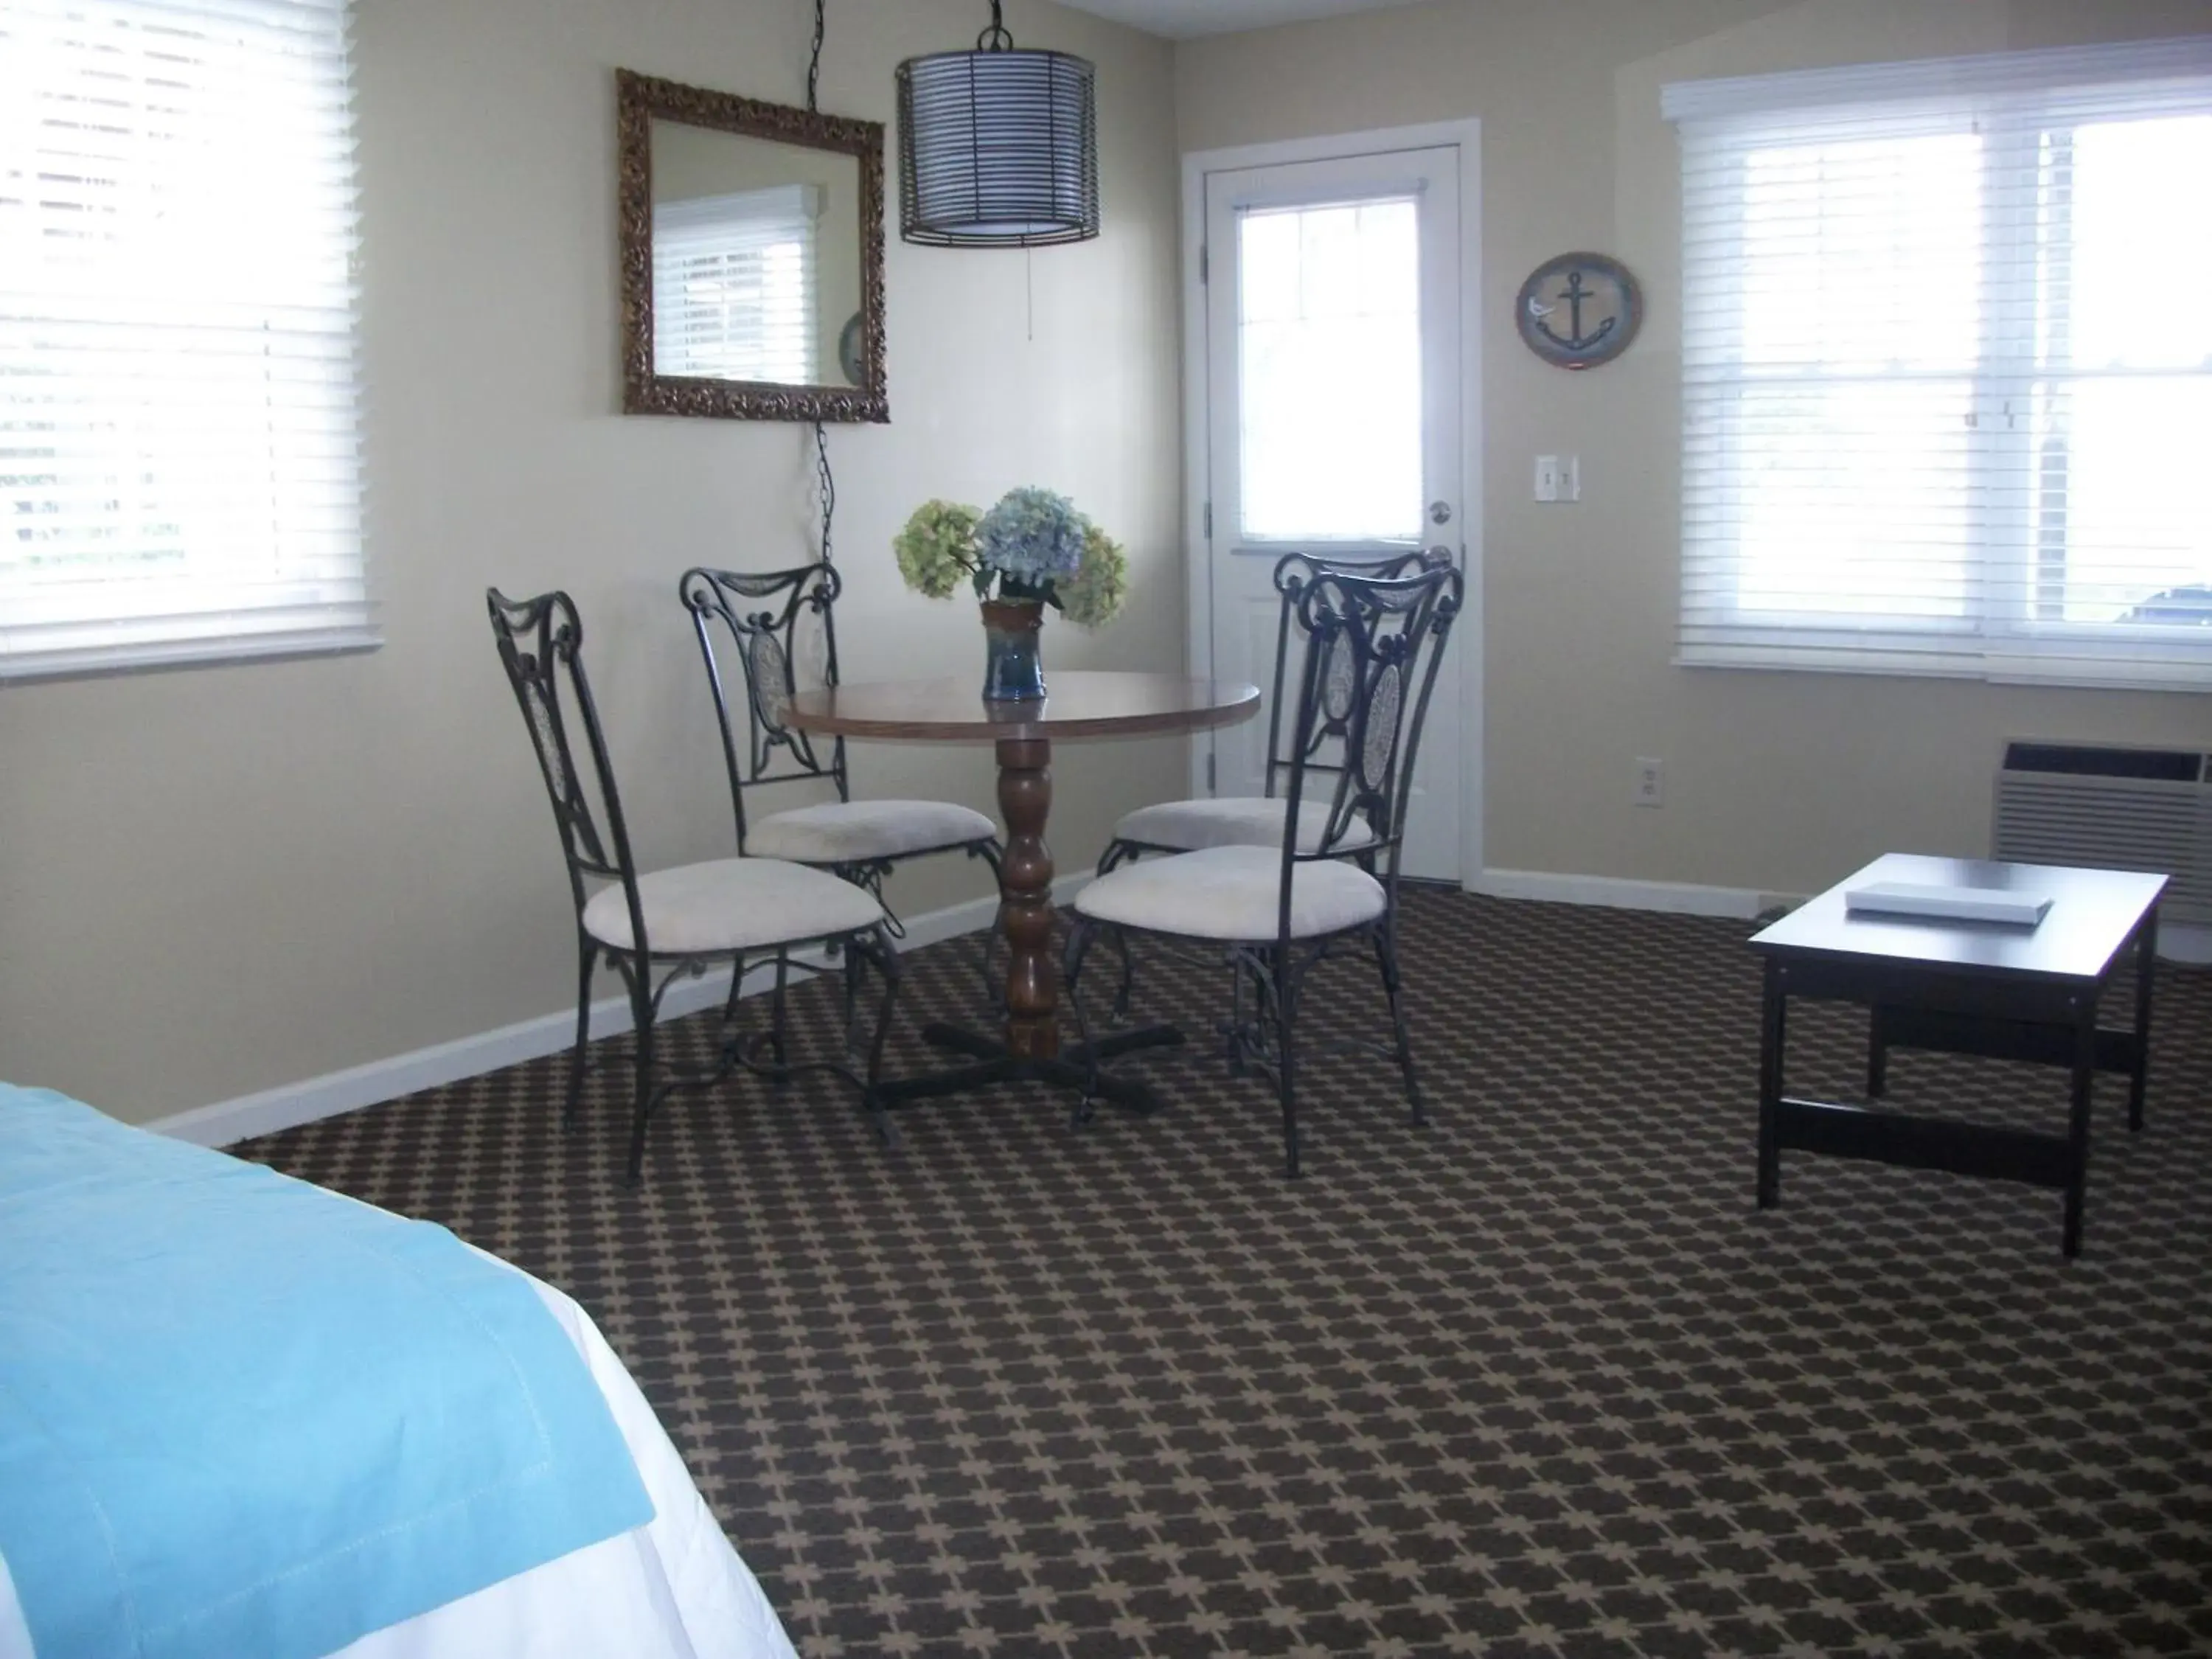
pixel 1537 1380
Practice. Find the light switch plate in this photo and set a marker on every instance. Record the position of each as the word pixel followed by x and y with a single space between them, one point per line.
pixel 1558 478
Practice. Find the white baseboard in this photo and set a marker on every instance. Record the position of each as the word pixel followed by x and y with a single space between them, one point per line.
pixel 295 1104
pixel 1676 897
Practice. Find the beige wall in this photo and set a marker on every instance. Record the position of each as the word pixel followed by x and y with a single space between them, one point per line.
pixel 1776 782
pixel 221 880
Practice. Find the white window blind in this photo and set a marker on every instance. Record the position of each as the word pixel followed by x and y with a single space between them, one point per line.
pixel 733 286
pixel 179 473
pixel 1947 366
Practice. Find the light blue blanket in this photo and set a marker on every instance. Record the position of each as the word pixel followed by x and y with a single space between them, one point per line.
pixel 241 1416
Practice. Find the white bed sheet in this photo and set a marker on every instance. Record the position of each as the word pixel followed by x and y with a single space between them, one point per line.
pixel 670 1589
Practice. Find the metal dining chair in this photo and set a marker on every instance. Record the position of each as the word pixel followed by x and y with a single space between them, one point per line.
pixel 1374 644
pixel 773 621
pixel 682 920
pixel 1185 826
pixel 1188 826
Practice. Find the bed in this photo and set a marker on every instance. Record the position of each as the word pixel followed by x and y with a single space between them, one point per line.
pixel 242 1416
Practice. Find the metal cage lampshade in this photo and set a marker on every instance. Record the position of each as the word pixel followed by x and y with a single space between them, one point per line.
pixel 998 148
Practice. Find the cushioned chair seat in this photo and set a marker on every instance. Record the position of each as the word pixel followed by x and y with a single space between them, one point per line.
pixel 731 904
pixel 1232 893
pixel 1234 821
pixel 856 831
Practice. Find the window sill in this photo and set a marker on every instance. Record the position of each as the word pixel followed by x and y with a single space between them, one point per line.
pixel 192 654
pixel 2102 677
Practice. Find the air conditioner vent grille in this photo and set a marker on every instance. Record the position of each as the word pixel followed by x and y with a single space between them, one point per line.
pixel 2059 809
pixel 2100 760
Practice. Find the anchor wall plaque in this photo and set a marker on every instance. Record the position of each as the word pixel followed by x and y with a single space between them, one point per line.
pixel 1579 310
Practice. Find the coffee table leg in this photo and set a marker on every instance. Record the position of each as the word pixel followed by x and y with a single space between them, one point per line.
pixel 2145 969
pixel 2077 1127
pixel 1025 878
pixel 1773 1031
pixel 1877 1079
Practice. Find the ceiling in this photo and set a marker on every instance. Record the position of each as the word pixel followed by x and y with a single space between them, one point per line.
pixel 1183 19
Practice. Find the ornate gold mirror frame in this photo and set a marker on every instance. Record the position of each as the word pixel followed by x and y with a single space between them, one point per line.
pixel 641 100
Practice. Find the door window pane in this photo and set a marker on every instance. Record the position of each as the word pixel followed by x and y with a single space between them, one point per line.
pixel 1329 360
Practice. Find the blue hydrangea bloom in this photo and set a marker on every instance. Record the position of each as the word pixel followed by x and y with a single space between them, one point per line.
pixel 1032 535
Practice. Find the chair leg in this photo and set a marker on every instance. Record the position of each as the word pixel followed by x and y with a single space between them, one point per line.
pixel 578 1062
pixel 732 1038
pixel 1236 1032
pixel 888 964
pixel 1117 854
pixel 853 970
pixel 994 981
pixel 642 1009
pixel 1287 1056
pixel 1080 933
pixel 779 1025
pixel 1120 1015
pixel 1386 958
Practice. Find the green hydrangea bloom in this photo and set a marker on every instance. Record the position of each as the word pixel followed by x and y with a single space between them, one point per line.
pixel 1093 594
pixel 937 549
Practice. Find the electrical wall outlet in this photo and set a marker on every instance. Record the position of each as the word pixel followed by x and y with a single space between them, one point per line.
pixel 1651 782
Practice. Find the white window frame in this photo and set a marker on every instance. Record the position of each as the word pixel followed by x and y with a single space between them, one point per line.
pixel 257 552
pixel 2010 99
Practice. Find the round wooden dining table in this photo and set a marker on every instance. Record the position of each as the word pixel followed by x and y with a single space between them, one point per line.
pixel 1080 704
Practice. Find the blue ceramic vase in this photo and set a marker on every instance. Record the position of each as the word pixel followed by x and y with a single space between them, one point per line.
pixel 1012 671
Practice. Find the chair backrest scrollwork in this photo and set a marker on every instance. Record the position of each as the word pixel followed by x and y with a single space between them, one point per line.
pixel 540 644
pixel 1373 645
pixel 780 627
pixel 1323 749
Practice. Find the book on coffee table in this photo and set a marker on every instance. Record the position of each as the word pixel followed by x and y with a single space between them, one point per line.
pixel 1934 903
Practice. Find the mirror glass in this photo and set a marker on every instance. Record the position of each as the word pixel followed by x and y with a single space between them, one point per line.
pixel 752 257
pixel 756 260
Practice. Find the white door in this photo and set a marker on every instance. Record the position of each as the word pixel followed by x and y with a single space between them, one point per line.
pixel 1333 384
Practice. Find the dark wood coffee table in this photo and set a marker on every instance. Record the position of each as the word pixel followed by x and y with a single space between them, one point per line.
pixel 2005 991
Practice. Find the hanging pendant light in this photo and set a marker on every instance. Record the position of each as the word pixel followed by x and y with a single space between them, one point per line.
pixel 998 148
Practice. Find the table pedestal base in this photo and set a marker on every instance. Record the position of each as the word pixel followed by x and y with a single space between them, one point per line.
pixel 1070 1068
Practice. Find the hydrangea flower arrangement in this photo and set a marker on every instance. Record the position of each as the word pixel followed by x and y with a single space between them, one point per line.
pixel 1034 544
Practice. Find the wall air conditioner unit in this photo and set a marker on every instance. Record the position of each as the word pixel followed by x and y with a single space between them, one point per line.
pixel 2112 808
